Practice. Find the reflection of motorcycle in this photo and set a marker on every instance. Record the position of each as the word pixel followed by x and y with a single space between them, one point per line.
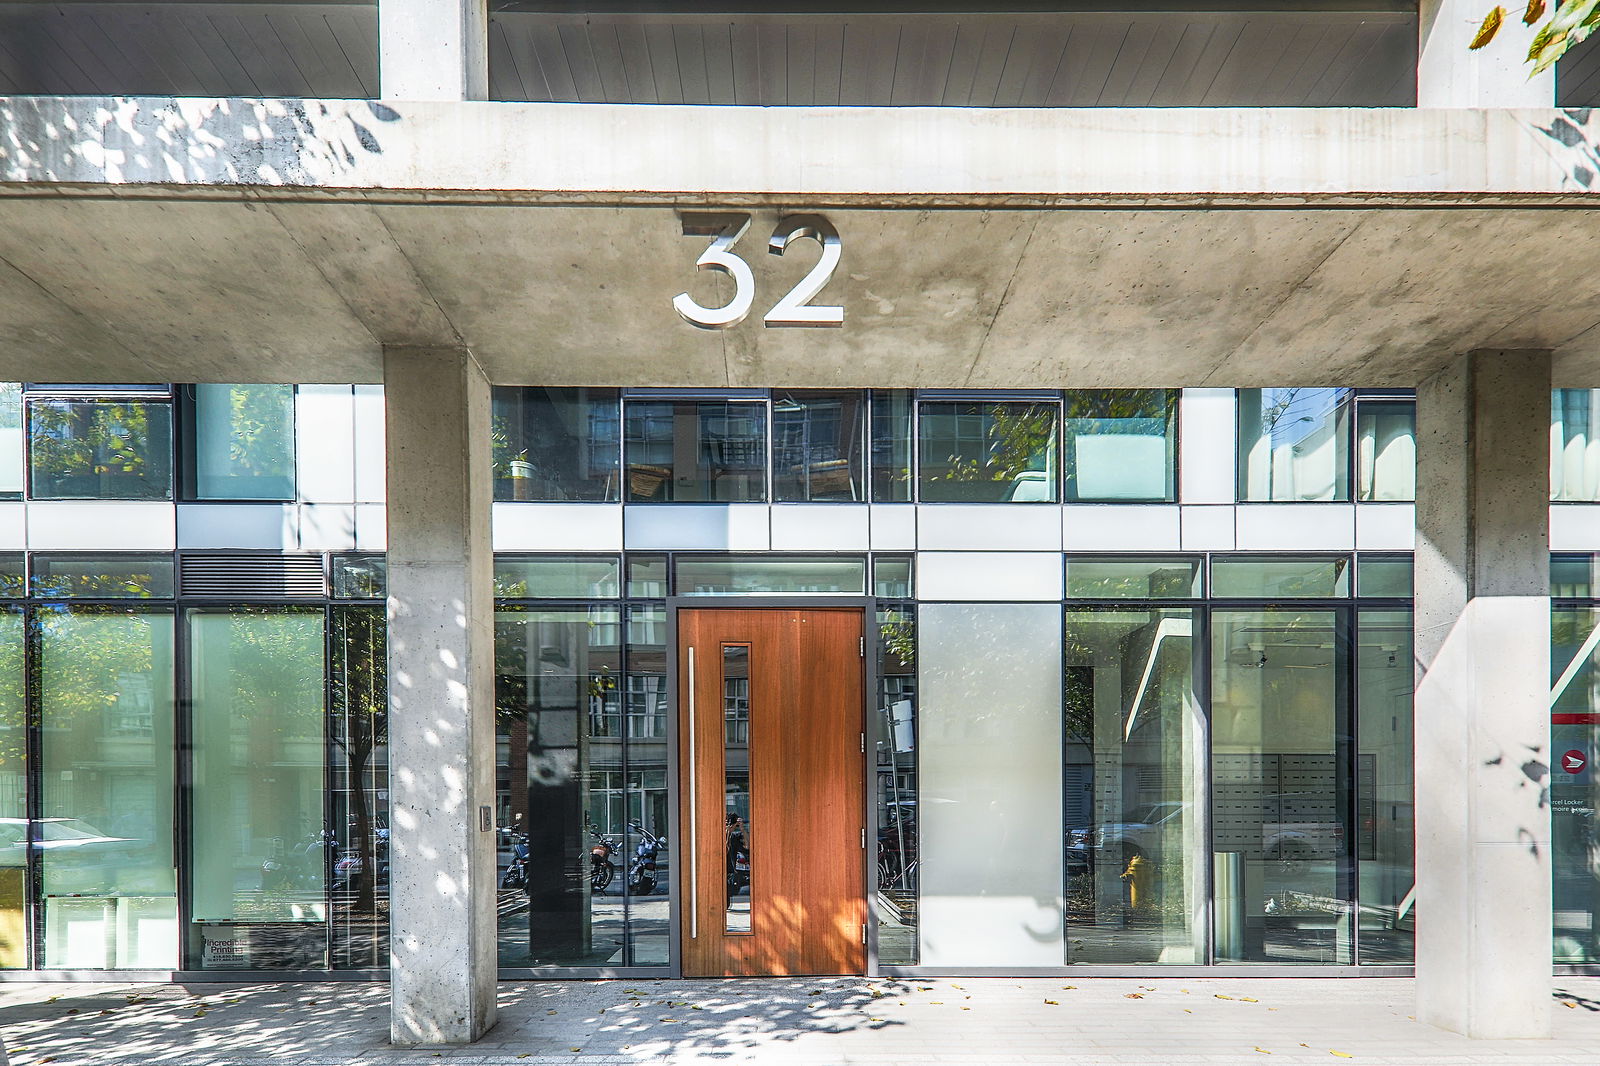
pixel 601 869
pixel 516 875
pixel 738 856
pixel 643 870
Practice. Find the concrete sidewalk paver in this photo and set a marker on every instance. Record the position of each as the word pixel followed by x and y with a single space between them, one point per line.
pixel 785 1022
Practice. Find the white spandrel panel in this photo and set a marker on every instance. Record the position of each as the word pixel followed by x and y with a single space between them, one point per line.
pixel 1207 447
pixel 101 525
pixel 1207 527
pixel 1133 527
pixel 894 526
pixel 372 527
pixel 819 527
pixel 989 527
pixel 1575 527
pixel 13 526
pixel 698 526
pixel 566 527
pixel 989 786
pixel 326 527
pixel 237 525
pixel 1296 527
pixel 369 444
pixel 997 576
pixel 324 438
pixel 1386 527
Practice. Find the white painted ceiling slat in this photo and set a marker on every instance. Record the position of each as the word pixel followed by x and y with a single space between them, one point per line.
pixel 544 40
pixel 938 55
pixel 689 51
pixel 772 63
pixel 963 65
pixel 910 53
pixel 580 63
pixel 1347 62
pixel 1152 66
pixel 153 39
pixel 1048 57
pixel 1014 72
pixel 1257 47
pixel 1186 57
pixel 1131 56
pixel 1297 52
pixel 664 63
pixel 716 45
pixel 800 64
pixel 997 41
pixel 636 65
pixel 317 36
pixel 746 62
pixel 505 75
pixel 356 30
pixel 57 63
pixel 601 42
pixel 79 34
pixel 1222 44
pixel 1317 62
pixel 1087 57
pixel 829 60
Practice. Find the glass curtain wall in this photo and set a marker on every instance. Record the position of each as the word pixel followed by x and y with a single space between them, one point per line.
pixel 259 854
pixel 1280 733
pixel 696 451
pixel 818 438
pixel 1120 444
pixel 1134 786
pixel 988 452
pixel 13 793
pixel 1386 826
pixel 1294 444
pixel 1575 783
pixel 99 448
pixel 556 444
pixel 108 879
pixel 243 442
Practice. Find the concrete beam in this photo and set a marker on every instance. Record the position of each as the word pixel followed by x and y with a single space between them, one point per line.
pixel 1482 702
pixel 785 156
pixel 433 49
pixel 1448 75
pixel 441 698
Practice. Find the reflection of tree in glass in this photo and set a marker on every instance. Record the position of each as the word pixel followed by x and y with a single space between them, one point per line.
pixel 102 440
pixel 261 430
pixel 1019 437
pixel 359 725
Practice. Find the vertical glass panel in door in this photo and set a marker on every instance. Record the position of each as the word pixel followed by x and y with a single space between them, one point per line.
pixel 1386 844
pixel 817 443
pixel 558 700
pixel 358 786
pixel 1280 796
pixel 1134 785
pixel 106 867
pixel 649 810
pixel 736 785
pixel 259 851
pixel 13 796
pixel 1575 782
pixel 1294 444
pixel 244 442
pixel 897 859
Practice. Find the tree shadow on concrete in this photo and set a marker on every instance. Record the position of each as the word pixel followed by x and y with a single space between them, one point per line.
pixel 1572 999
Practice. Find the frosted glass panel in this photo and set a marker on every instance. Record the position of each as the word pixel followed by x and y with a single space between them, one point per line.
pixel 258 742
pixel 989 785
pixel 106 711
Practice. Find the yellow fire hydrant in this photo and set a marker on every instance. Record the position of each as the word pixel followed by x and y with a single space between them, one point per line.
pixel 1137 875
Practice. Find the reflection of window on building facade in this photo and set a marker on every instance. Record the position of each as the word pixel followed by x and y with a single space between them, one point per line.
pixel 95 442
pixel 988 452
pixel 239 442
pixel 1312 444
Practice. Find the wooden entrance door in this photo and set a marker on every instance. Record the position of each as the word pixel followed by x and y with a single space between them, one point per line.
pixel 771 764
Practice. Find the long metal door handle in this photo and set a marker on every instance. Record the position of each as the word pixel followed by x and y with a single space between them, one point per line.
pixel 694 820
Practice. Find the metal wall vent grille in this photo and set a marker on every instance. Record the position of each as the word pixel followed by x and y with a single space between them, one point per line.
pixel 243 576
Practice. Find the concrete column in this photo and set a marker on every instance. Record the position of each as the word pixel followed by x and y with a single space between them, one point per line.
pixel 433 49
pixel 441 698
pixel 1482 703
pixel 1448 75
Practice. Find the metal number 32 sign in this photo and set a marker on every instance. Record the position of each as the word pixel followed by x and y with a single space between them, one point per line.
pixel 796 308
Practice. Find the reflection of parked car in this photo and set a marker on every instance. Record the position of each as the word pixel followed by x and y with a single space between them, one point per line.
pixel 1148 826
pixel 77 856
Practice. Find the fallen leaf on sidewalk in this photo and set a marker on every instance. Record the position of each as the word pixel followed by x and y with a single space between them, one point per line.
pixel 1221 996
pixel 1341 1054
pixel 1133 995
pixel 1248 999
pixel 1569 1004
pixel 1052 1003
pixel 1263 1051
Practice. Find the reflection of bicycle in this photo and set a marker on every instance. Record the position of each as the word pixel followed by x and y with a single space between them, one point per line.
pixel 892 875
